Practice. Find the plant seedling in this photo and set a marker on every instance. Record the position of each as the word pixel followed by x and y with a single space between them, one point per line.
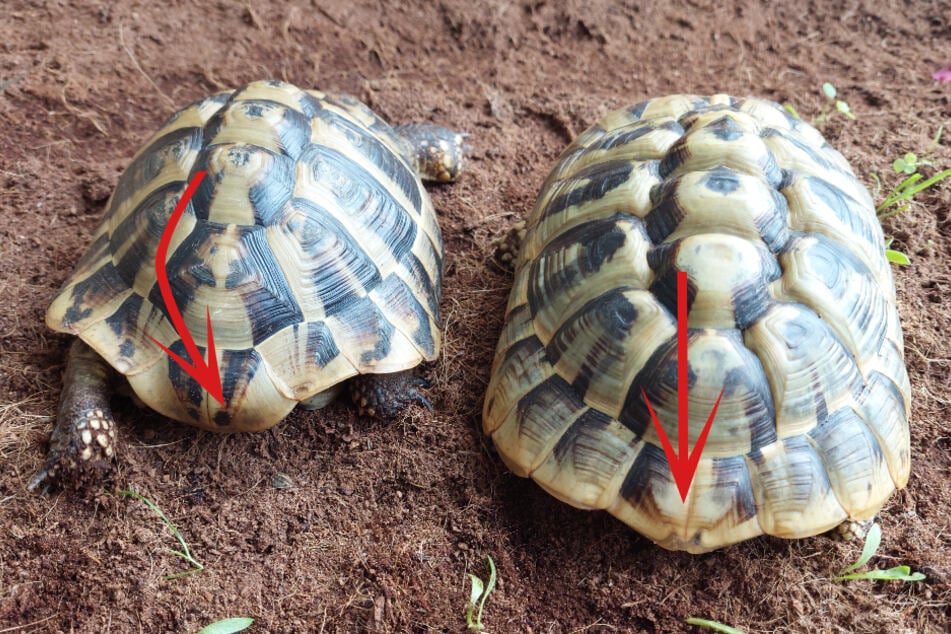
pixel 184 553
pixel 227 626
pixel 909 163
pixel 900 198
pixel 714 625
pixel 477 595
pixel 872 540
pixel 893 255
pixel 832 103
pixel 831 106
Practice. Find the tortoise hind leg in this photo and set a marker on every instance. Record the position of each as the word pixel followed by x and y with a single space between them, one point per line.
pixel 82 444
pixel 385 395
pixel 853 529
pixel 438 154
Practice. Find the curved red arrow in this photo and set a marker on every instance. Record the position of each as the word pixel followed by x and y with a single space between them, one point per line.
pixel 205 373
pixel 683 466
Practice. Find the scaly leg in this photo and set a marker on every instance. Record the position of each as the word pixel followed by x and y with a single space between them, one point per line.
pixel 82 445
pixel 385 395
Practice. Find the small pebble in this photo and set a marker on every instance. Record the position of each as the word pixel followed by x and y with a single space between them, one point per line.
pixel 281 481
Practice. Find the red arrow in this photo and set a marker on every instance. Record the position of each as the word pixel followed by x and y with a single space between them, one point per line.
pixel 683 466
pixel 205 373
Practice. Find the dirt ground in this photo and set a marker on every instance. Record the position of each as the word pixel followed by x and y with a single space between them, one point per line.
pixel 384 520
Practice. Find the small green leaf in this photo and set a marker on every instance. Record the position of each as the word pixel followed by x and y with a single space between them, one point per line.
pixel 894 212
pixel 896 257
pixel 873 540
pixel 829 90
pixel 227 626
pixel 477 597
pixel 874 537
pixel 477 589
pixel 900 165
pixel 714 625
pixel 934 142
pixel 789 108
pixel 908 182
pixel 898 573
pixel 843 107
pixel 907 164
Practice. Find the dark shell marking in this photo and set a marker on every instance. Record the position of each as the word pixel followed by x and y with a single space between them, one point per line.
pixel 311 241
pixel 791 313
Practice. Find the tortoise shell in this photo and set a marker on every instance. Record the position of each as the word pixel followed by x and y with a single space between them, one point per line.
pixel 311 242
pixel 791 314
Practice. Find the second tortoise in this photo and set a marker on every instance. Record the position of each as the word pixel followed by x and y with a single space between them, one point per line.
pixel 791 315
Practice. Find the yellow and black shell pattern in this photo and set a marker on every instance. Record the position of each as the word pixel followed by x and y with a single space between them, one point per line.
pixel 311 242
pixel 791 314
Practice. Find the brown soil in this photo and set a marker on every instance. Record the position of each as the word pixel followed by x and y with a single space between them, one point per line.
pixel 384 520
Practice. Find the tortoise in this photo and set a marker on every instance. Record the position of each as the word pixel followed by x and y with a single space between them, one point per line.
pixel 311 247
pixel 792 316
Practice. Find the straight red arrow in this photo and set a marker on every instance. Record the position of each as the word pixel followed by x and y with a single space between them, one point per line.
pixel 205 373
pixel 682 466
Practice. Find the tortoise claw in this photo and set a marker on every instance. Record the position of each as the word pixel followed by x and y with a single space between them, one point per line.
pixel 422 400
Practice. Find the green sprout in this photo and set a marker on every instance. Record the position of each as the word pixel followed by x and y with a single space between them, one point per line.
pixel 893 255
pixel 477 596
pixel 909 163
pixel 227 626
pixel 831 106
pixel 900 198
pixel 831 102
pixel 184 553
pixel 872 542
pixel 788 107
pixel 714 625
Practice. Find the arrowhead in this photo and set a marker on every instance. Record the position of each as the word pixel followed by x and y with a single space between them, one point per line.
pixel 683 467
pixel 205 373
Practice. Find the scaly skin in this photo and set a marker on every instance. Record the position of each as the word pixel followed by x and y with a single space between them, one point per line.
pixel 438 154
pixel 385 395
pixel 82 446
pixel 508 246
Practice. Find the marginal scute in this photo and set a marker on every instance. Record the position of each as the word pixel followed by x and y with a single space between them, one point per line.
pixel 883 408
pixel 310 242
pixel 854 462
pixel 794 497
pixel 791 317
